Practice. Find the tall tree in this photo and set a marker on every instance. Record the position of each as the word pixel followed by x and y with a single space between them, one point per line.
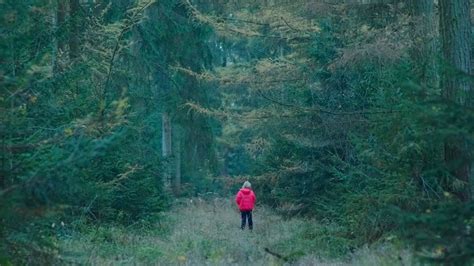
pixel 74 24
pixel 54 40
pixel 177 155
pixel 455 31
pixel 166 146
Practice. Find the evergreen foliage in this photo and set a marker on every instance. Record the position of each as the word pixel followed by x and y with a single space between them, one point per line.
pixel 340 122
pixel 355 114
pixel 82 94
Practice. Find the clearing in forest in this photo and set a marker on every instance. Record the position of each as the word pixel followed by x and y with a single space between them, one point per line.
pixel 197 232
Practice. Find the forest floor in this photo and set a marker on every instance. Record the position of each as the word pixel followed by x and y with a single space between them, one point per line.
pixel 197 232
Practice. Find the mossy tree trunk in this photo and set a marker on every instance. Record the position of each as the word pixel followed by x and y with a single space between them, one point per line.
pixel 455 31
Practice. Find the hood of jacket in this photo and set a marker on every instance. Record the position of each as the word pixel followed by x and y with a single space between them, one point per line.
pixel 245 191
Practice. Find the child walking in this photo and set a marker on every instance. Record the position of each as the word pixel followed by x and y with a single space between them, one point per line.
pixel 245 199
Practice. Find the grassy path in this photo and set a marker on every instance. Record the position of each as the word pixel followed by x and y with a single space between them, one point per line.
pixel 207 233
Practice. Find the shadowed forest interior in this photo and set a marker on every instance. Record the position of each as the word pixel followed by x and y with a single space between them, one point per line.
pixel 128 126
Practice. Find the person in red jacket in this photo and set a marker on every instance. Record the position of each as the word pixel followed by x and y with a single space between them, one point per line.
pixel 245 199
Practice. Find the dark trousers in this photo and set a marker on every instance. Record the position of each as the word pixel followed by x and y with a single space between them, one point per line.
pixel 246 215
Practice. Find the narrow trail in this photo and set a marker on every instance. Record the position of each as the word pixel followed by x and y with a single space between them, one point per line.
pixel 211 234
pixel 199 232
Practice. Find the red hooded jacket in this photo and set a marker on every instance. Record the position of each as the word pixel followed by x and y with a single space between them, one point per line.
pixel 245 199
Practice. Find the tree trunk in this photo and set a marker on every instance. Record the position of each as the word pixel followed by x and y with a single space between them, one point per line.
pixel 166 135
pixel 75 21
pixel 54 38
pixel 3 171
pixel 225 162
pixel 58 19
pixel 424 41
pixel 177 177
pixel 455 30
pixel 61 20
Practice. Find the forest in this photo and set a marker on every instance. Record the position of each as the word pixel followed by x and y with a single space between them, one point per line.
pixel 128 127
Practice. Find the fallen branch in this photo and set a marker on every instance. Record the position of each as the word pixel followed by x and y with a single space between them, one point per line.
pixel 8 190
pixel 275 254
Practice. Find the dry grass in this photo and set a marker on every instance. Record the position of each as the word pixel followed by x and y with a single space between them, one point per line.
pixel 197 232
